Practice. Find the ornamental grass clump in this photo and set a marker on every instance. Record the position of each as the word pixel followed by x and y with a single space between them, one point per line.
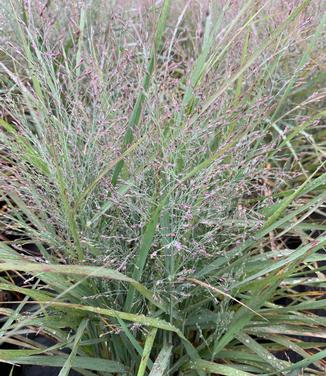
pixel 162 186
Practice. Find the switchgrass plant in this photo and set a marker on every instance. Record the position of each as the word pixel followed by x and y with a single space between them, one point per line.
pixel 163 182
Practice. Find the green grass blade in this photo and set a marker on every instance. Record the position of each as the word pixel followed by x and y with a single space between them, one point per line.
pixel 261 351
pixel 139 319
pixel 80 42
pixel 68 363
pixel 220 369
pixel 144 248
pixel 81 362
pixel 138 108
pixel 294 256
pixel 130 336
pixel 88 271
pixel 306 362
pixel 150 338
pixel 288 200
pixel 33 293
pixel 162 362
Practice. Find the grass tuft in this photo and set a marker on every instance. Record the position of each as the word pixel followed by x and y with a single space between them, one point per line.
pixel 162 187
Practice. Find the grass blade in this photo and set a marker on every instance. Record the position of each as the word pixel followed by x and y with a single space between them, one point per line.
pixel 81 362
pixel 89 271
pixel 261 351
pixel 138 108
pixel 220 369
pixel 68 363
pixel 162 362
pixel 147 351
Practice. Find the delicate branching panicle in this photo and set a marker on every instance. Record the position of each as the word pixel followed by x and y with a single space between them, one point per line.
pixel 162 186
